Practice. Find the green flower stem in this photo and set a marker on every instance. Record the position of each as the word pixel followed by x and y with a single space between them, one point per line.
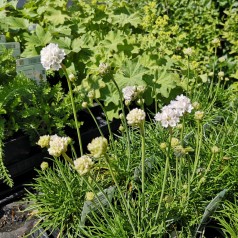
pixel 122 196
pixel 215 95
pixel 77 125
pixel 124 119
pixel 197 151
pixel 95 120
pixel 142 132
pixel 213 70
pixel 108 122
pixel 102 191
pixel 188 74
pixel 206 171
pixel 165 175
pixel 67 158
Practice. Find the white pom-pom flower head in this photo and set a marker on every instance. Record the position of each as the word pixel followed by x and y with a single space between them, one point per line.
pixel 136 117
pixel 52 57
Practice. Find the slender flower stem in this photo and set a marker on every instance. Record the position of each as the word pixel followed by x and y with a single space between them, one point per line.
pixel 95 120
pixel 206 171
pixel 108 122
pixel 124 119
pixel 165 176
pixel 198 148
pixel 213 70
pixel 122 196
pixel 77 125
pixel 142 132
pixel 188 75
pixel 67 158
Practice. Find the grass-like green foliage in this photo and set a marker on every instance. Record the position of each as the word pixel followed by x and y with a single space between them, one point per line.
pixel 228 218
pixel 159 191
pixel 185 202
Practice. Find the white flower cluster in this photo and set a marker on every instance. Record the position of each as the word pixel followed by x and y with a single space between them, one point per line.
pixel 188 51
pixel 58 145
pixel 103 68
pixel 135 117
pixel 83 164
pixel 98 146
pixel 52 56
pixel 130 93
pixel 170 114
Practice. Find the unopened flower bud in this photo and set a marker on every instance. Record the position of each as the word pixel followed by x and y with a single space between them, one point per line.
pixel 221 74
pixel 215 149
pixel 216 42
pixel 188 51
pixel 121 128
pixel 211 74
pixel 179 126
pixel 44 165
pixel 91 94
pixel 227 79
pixel 198 115
pixel 84 105
pixel 174 142
pixel 196 105
pixel 72 77
pixel 222 59
pixel 127 102
pixel 163 146
pixel 90 196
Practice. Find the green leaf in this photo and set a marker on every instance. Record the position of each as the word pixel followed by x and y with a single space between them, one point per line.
pixel 64 43
pixel 16 22
pixel 133 19
pixel 85 41
pixel 131 73
pixel 112 40
pixel 56 17
pixel 44 36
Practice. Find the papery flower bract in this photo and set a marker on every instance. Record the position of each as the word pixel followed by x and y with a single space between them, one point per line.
pixel 52 57
pixel 44 141
pixel 83 164
pixel 58 145
pixel 129 93
pixel 135 117
pixel 168 117
pixel 98 146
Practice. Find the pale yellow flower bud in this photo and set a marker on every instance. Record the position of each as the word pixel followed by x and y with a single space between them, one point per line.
pixel 90 196
pixel 72 77
pixel 222 59
pixel 91 94
pixel 174 142
pixel 216 42
pixel 198 115
pixel 215 149
pixel 44 141
pixel 188 51
pixel 196 105
pixel 121 128
pixel 227 79
pixel 221 74
pixel 98 146
pixel 211 74
pixel 44 165
pixel 163 146
pixel 84 105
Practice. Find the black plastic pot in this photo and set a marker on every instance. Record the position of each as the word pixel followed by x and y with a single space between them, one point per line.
pixel 16 149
